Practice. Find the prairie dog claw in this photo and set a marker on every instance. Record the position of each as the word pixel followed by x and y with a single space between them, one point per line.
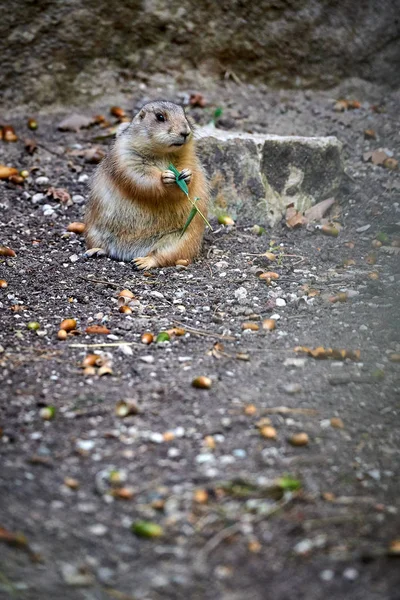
pixel 94 253
pixel 145 262
pixel 168 177
pixel 186 175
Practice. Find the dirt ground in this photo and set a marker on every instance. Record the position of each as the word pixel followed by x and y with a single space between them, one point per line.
pixel 242 516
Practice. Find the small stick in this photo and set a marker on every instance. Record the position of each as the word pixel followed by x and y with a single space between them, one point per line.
pixel 284 410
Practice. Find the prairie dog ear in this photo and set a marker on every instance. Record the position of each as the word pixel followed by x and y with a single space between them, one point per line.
pixel 142 114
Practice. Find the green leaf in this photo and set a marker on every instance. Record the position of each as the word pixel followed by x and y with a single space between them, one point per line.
pixel 185 190
pixel 163 336
pixel 382 237
pixel 288 483
pixel 182 184
pixel 192 213
pixel 147 529
pixel 217 113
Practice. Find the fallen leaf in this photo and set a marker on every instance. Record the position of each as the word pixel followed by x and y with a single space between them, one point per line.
pixel 337 423
pixel 197 99
pixel 68 324
pixel 30 145
pixel 369 134
pixel 6 172
pixel 340 106
pixel 90 155
pixel 294 218
pixel 4 251
pixel 299 439
pixel 202 382
pixel 76 227
pixel 251 326
pixel 316 212
pixel 75 122
pixel 117 112
pixel 60 194
pixel 97 329
pixel 377 157
pixel 147 529
pixel 8 134
pixel 200 496
pixel 390 163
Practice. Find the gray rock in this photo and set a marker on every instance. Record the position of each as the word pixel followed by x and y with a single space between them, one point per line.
pixel 258 176
pixel 298 44
pixel 299 170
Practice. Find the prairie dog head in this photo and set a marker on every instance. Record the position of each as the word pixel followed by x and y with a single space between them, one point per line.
pixel 160 128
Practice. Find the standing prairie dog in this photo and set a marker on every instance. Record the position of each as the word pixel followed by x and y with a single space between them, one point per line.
pixel 136 211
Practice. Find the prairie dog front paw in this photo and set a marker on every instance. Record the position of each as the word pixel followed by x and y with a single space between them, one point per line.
pixel 185 175
pixel 168 177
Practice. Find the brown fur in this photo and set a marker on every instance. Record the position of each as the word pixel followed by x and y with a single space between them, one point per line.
pixel 132 213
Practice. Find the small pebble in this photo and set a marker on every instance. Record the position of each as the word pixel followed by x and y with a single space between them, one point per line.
pixel 98 529
pixel 36 198
pixel 363 228
pixel 350 574
pixel 78 199
pixel 42 180
pixel 327 575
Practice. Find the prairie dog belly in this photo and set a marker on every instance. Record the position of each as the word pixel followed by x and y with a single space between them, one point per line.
pixel 121 226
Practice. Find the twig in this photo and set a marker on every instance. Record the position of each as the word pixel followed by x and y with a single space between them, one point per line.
pixel 204 333
pixel 284 410
pixel 232 529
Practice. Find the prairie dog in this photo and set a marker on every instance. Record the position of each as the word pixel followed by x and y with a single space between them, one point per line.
pixel 136 211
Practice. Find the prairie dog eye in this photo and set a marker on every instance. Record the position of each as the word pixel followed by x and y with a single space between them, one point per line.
pixel 160 117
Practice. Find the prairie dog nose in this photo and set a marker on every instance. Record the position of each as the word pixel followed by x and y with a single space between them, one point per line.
pixel 185 134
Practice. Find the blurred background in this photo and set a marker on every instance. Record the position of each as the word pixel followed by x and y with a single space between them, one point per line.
pixel 73 51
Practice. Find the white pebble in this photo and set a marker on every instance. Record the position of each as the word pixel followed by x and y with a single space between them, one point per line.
pixel 37 198
pixel 205 457
pixel 74 258
pixel 78 199
pixel 240 294
pixel 83 178
pixel 147 358
pixel 327 575
pixel 98 529
pixel 42 180
pixel 280 302
pixel 350 574
pixel 85 445
pixel 157 438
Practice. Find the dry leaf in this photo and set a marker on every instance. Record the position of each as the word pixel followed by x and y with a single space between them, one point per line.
pixel 5 251
pixel 197 99
pixel 97 329
pixel 75 122
pixel 90 155
pixel 294 218
pixel 316 213
pixel 30 145
pixel 8 134
pixel 6 172
pixel 76 227
pixel 60 194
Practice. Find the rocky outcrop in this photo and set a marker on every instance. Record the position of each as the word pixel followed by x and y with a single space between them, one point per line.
pixel 73 51
pixel 257 176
